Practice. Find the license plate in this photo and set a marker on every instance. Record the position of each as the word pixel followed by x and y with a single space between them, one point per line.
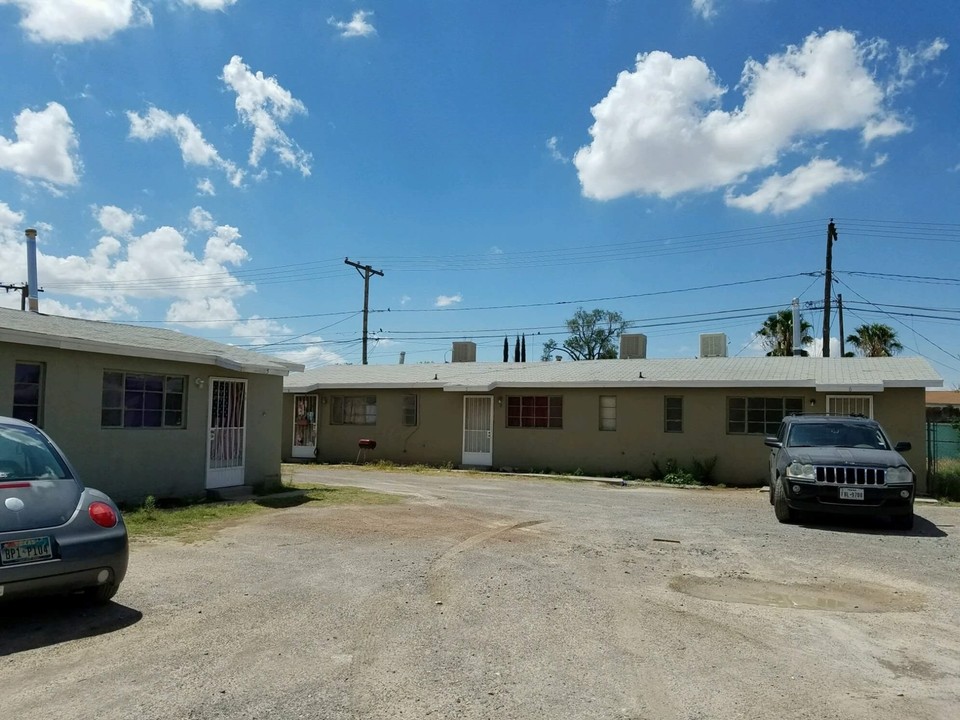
pixel 13 552
pixel 851 493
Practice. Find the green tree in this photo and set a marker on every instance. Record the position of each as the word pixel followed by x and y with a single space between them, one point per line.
pixel 776 334
pixel 593 336
pixel 875 340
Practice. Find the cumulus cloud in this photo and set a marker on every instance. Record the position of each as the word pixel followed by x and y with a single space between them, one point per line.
pixel 114 220
pixel 45 147
pixel 313 355
pixel 781 193
pixel 660 130
pixel 205 187
pixel 356 27
pixel 263 104
pixel 705 8
pixel 123 268
pixel 75 21
pixel 201 219
pixel 447 300
pixel 194 149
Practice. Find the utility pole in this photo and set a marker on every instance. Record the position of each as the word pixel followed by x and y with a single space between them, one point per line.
pixel 828 286
pixel 840 315
pixel 24 290
pixel 367 271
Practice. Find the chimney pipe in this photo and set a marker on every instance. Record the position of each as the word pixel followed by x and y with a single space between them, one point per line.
pixel 33 305
pixel 795 307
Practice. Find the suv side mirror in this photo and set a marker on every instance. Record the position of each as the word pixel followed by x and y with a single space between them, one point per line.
pixel 774 443
pixel 902 446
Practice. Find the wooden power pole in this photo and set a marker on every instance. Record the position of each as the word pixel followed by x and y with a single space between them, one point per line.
pixel 365 271
pixel 828 286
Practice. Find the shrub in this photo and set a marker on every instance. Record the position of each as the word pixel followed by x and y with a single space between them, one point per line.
pixel 679 477
pixel 702 470
pixel 946 481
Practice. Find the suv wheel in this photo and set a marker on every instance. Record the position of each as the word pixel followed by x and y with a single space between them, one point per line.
pixel 784 512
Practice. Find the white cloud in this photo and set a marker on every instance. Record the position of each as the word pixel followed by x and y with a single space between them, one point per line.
pixel 661 131
pixel 705 8
pixel 257 330
pixel 120 271
pixel 205 187
pixel 554 151
pixel 210 4
pixel 201 219
pixel 911 63
pixel 312 356
pixel 880 159
pixel 45 147
pixel 448 300
pixel 262 104
pixel 194 149
pixel 114 220
pixel 781 193
pixel 356 27
pixel 404 299
pixel 74 21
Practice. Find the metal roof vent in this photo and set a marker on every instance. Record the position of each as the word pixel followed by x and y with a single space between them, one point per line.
pixel 633 346
pixel 465 351
pixel 713 345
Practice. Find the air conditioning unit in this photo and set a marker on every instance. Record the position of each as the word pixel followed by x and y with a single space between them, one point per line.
pixel 713 345
pixel 464 351
pixel 633 346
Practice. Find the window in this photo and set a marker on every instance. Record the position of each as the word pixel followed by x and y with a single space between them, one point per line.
pixel 28 392
pixel 850 405
pixel 139 400
pixel 673 414
pixel 608 412
pixel 759 415
pixel 353 410
pixel 540 411
pixel 410 407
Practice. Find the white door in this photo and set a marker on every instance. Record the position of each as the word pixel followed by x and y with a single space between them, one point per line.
pixel 478 430
pixel 304 426
pixel 227 433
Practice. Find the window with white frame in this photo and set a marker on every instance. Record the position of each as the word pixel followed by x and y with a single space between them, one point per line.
pixel 608 412
pixel 353 410
pixel 850 405
pixel 411 408
pixel 132 400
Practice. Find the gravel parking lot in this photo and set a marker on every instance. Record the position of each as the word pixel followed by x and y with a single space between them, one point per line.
pixel 485 596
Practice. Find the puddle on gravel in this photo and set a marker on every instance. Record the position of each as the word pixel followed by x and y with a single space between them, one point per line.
pixel 835 597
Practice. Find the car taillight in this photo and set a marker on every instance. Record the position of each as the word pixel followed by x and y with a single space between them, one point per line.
pixel 103 515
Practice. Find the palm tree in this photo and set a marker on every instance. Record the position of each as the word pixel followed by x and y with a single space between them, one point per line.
pixel 875 340
pixel 777 334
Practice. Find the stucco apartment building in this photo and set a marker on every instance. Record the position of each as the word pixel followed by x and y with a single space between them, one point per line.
pixel 599 416
pixel 144 411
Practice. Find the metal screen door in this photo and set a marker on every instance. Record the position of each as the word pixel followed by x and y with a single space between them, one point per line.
pixel 478 430
pixel 227 433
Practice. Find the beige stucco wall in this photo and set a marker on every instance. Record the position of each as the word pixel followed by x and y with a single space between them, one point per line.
pixel 638 441
pixel 131 463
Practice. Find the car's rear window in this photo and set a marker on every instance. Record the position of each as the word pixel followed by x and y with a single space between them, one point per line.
pixel 26 454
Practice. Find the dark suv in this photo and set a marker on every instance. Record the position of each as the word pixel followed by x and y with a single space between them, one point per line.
pixel 839 464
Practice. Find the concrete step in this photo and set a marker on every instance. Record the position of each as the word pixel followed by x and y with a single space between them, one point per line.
pixel 237 492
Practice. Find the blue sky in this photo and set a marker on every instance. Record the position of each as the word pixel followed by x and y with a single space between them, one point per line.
pixel 208 165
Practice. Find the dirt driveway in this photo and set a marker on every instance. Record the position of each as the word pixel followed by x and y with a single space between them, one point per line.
pixel 492 597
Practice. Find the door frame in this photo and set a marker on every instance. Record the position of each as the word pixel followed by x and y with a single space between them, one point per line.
pixel 231 475
pixel 485 458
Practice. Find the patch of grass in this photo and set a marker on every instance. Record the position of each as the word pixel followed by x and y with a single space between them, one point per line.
pixel 946 482
pixel 202 520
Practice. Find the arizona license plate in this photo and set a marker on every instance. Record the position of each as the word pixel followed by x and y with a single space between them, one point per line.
pixel 851 493
pixel 26 550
